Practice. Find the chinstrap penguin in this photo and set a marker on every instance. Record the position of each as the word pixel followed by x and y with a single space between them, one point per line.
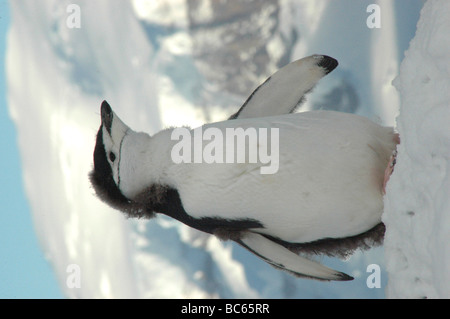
pixel 327 196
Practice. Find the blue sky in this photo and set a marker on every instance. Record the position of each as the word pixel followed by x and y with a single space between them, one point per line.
pixel 24 272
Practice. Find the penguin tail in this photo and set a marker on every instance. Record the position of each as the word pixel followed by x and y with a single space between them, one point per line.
pixel 282 258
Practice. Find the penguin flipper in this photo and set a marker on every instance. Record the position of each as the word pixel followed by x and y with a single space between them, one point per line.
pixel 285 90
pixel 282 258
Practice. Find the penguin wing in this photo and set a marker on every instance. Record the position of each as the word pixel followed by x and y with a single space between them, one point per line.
pixel 282 258
pixel 284 90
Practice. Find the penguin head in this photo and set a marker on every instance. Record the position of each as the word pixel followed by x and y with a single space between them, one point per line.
pixel 121 164
pixel 125 173
pixel 105 176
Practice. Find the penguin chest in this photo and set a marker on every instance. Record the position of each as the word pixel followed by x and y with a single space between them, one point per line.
pixel 328 183
pixel 309 198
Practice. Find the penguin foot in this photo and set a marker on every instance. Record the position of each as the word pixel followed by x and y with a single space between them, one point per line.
pixel 389 169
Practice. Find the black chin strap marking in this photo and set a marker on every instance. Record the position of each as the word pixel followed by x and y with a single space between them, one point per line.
pixel 120 158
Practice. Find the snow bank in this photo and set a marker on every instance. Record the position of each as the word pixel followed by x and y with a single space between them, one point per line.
pixel 417 203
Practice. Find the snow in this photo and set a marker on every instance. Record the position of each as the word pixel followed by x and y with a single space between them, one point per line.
pixel 417 205
pixel 170 63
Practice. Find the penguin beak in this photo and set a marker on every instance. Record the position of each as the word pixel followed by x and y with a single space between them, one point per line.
pixel 107 116
pixel 113 125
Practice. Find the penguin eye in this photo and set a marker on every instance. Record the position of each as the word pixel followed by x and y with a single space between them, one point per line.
pixel 112 156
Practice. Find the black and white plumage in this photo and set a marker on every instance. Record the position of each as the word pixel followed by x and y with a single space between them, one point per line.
pixel 285 90
pixel 328 188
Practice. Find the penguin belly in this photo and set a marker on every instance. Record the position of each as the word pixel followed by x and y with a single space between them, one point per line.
pixel 328 184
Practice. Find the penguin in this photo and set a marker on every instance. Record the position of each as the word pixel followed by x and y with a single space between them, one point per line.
pixel 325 198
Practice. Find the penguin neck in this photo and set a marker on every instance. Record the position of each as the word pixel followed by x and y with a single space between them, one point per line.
pixel 147 162
pixel 159 157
